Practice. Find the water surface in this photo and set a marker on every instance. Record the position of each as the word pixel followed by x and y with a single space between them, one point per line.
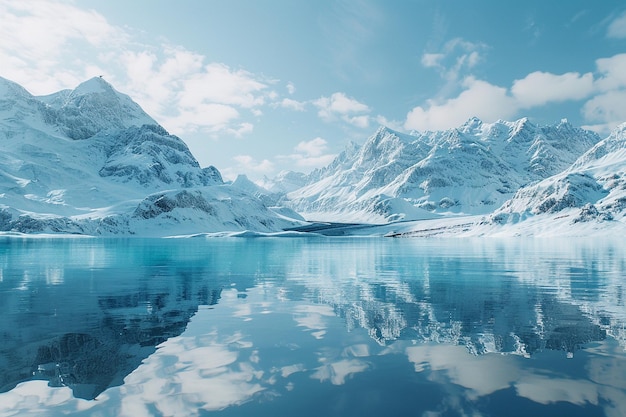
pixel 312 326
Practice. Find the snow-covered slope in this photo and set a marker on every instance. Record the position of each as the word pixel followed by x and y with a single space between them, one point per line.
pixel 593 189
pixel 587 199
pixel 90 160
pixel 472 169
pixel 91 107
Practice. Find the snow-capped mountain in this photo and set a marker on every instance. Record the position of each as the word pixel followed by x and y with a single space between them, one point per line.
pixel 91 161
pixel 472 169
pixel 593 188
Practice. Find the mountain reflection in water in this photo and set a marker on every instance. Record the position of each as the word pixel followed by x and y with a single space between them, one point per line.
pixel 275 326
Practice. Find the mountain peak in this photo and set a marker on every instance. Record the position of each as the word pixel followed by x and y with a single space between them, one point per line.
pixel 620 129
pixel 383 130
pixel 473 121
pixel 473 124
pixel 564 125
pixel 93 85
pixel 521 124
pixel 96 105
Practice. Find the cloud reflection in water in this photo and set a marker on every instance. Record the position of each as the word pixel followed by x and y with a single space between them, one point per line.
pixel 432 327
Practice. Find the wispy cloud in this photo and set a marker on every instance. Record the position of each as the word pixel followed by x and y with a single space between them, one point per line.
pixel 533 28
pixel 310 154
pixel 250 163
pixel 340 106
pixel 241 129
pixel 455 58
pixel 293 104
pixel 315 147
pixel 617 28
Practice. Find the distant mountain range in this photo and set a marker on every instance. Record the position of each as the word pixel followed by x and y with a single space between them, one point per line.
pixel 472 169
pixel 91 161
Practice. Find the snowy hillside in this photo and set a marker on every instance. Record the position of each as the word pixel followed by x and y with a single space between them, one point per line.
pixel 593 189
pixel 91 161
pixel 472 169
pixel 587 199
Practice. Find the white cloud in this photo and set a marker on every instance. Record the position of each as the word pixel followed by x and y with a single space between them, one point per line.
pixel 456 56
pixel 293 104
pixel 38 36
pixel 206 117
pixel 339 106
pixel 432 60
pixel 242 129
pixel 50 45
pixel 339 103
pixel 358 121
pixel 310 154
pixel 479 98
pixel 617 28
pixel 248 163
pixel 612 73
pixel 185 94
pixel 392 124
pixel 314 147
pixel 539 88
pixel 291 88
pixel 608 109
pixel 217 83
pixel 603 109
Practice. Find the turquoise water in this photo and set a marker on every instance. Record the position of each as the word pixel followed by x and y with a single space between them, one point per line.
pixel 312 327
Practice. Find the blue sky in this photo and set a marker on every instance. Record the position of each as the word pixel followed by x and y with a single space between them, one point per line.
pixel 258 86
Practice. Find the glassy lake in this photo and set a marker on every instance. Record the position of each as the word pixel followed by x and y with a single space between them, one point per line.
pixel 312 327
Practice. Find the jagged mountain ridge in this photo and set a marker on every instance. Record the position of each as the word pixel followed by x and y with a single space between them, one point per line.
pixel 472 169
pixel 90 160
pixel 593 188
